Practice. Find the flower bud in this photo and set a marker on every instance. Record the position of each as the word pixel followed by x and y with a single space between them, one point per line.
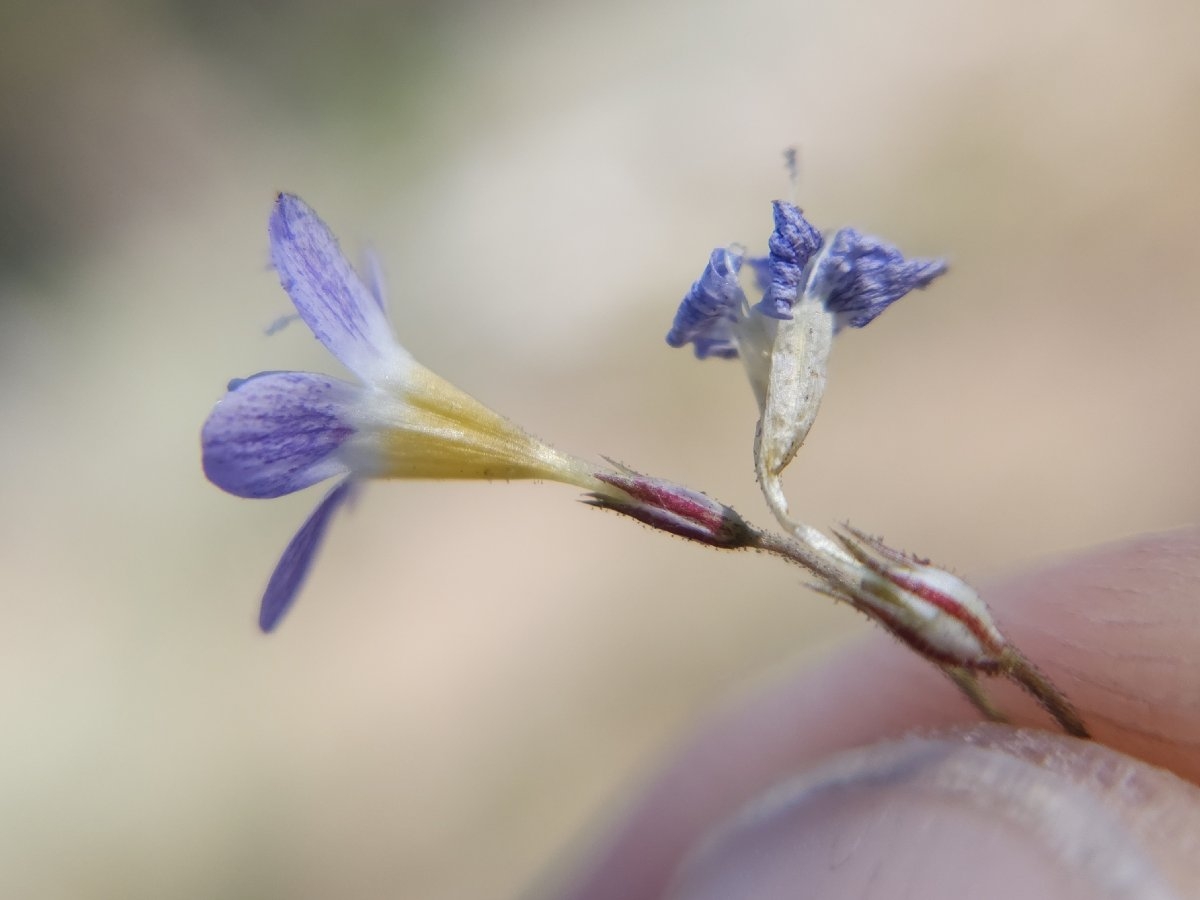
pixel 672 508
pixel 931 610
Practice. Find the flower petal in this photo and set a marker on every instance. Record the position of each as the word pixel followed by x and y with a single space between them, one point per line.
pixel 297 559
pixel 792 244
pixel 708 313
pixel 329 295
pixel 860 276
pixel 277 432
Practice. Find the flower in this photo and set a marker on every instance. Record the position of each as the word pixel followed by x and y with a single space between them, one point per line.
pixel 855 277
pixel 279 432
pixel 811 288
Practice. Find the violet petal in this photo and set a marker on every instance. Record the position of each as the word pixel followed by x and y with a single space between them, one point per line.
pixel 791 245
pixel 277 432
pixel 333 301
pixel 861 276
pixel 709 311
pixel 297 559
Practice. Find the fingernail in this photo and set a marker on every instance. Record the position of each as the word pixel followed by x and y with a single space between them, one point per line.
pixel 986 813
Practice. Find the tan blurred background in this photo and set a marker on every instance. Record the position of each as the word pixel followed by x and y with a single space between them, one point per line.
pixel 477 675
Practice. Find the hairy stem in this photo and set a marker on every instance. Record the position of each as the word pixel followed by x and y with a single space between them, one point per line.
pixel 1050 698
pixel 841 579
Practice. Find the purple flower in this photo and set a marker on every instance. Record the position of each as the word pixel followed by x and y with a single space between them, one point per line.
pixel 279 432
pixel 855 277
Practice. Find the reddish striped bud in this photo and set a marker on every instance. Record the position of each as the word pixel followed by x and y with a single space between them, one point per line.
pixel 672 508
pixel 933 611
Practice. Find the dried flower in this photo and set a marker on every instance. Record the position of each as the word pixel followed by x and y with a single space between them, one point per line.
pixel 811 288
pixel 855 279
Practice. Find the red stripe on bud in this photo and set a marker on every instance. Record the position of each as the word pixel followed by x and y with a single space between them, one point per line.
pixel 673 508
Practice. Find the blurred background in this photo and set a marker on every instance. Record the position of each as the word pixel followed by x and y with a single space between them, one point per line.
pixel 477 676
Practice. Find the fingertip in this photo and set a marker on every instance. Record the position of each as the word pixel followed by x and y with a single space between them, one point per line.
pixel 986 813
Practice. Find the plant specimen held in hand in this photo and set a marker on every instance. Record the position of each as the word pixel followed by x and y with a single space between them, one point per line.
pixel 279 432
